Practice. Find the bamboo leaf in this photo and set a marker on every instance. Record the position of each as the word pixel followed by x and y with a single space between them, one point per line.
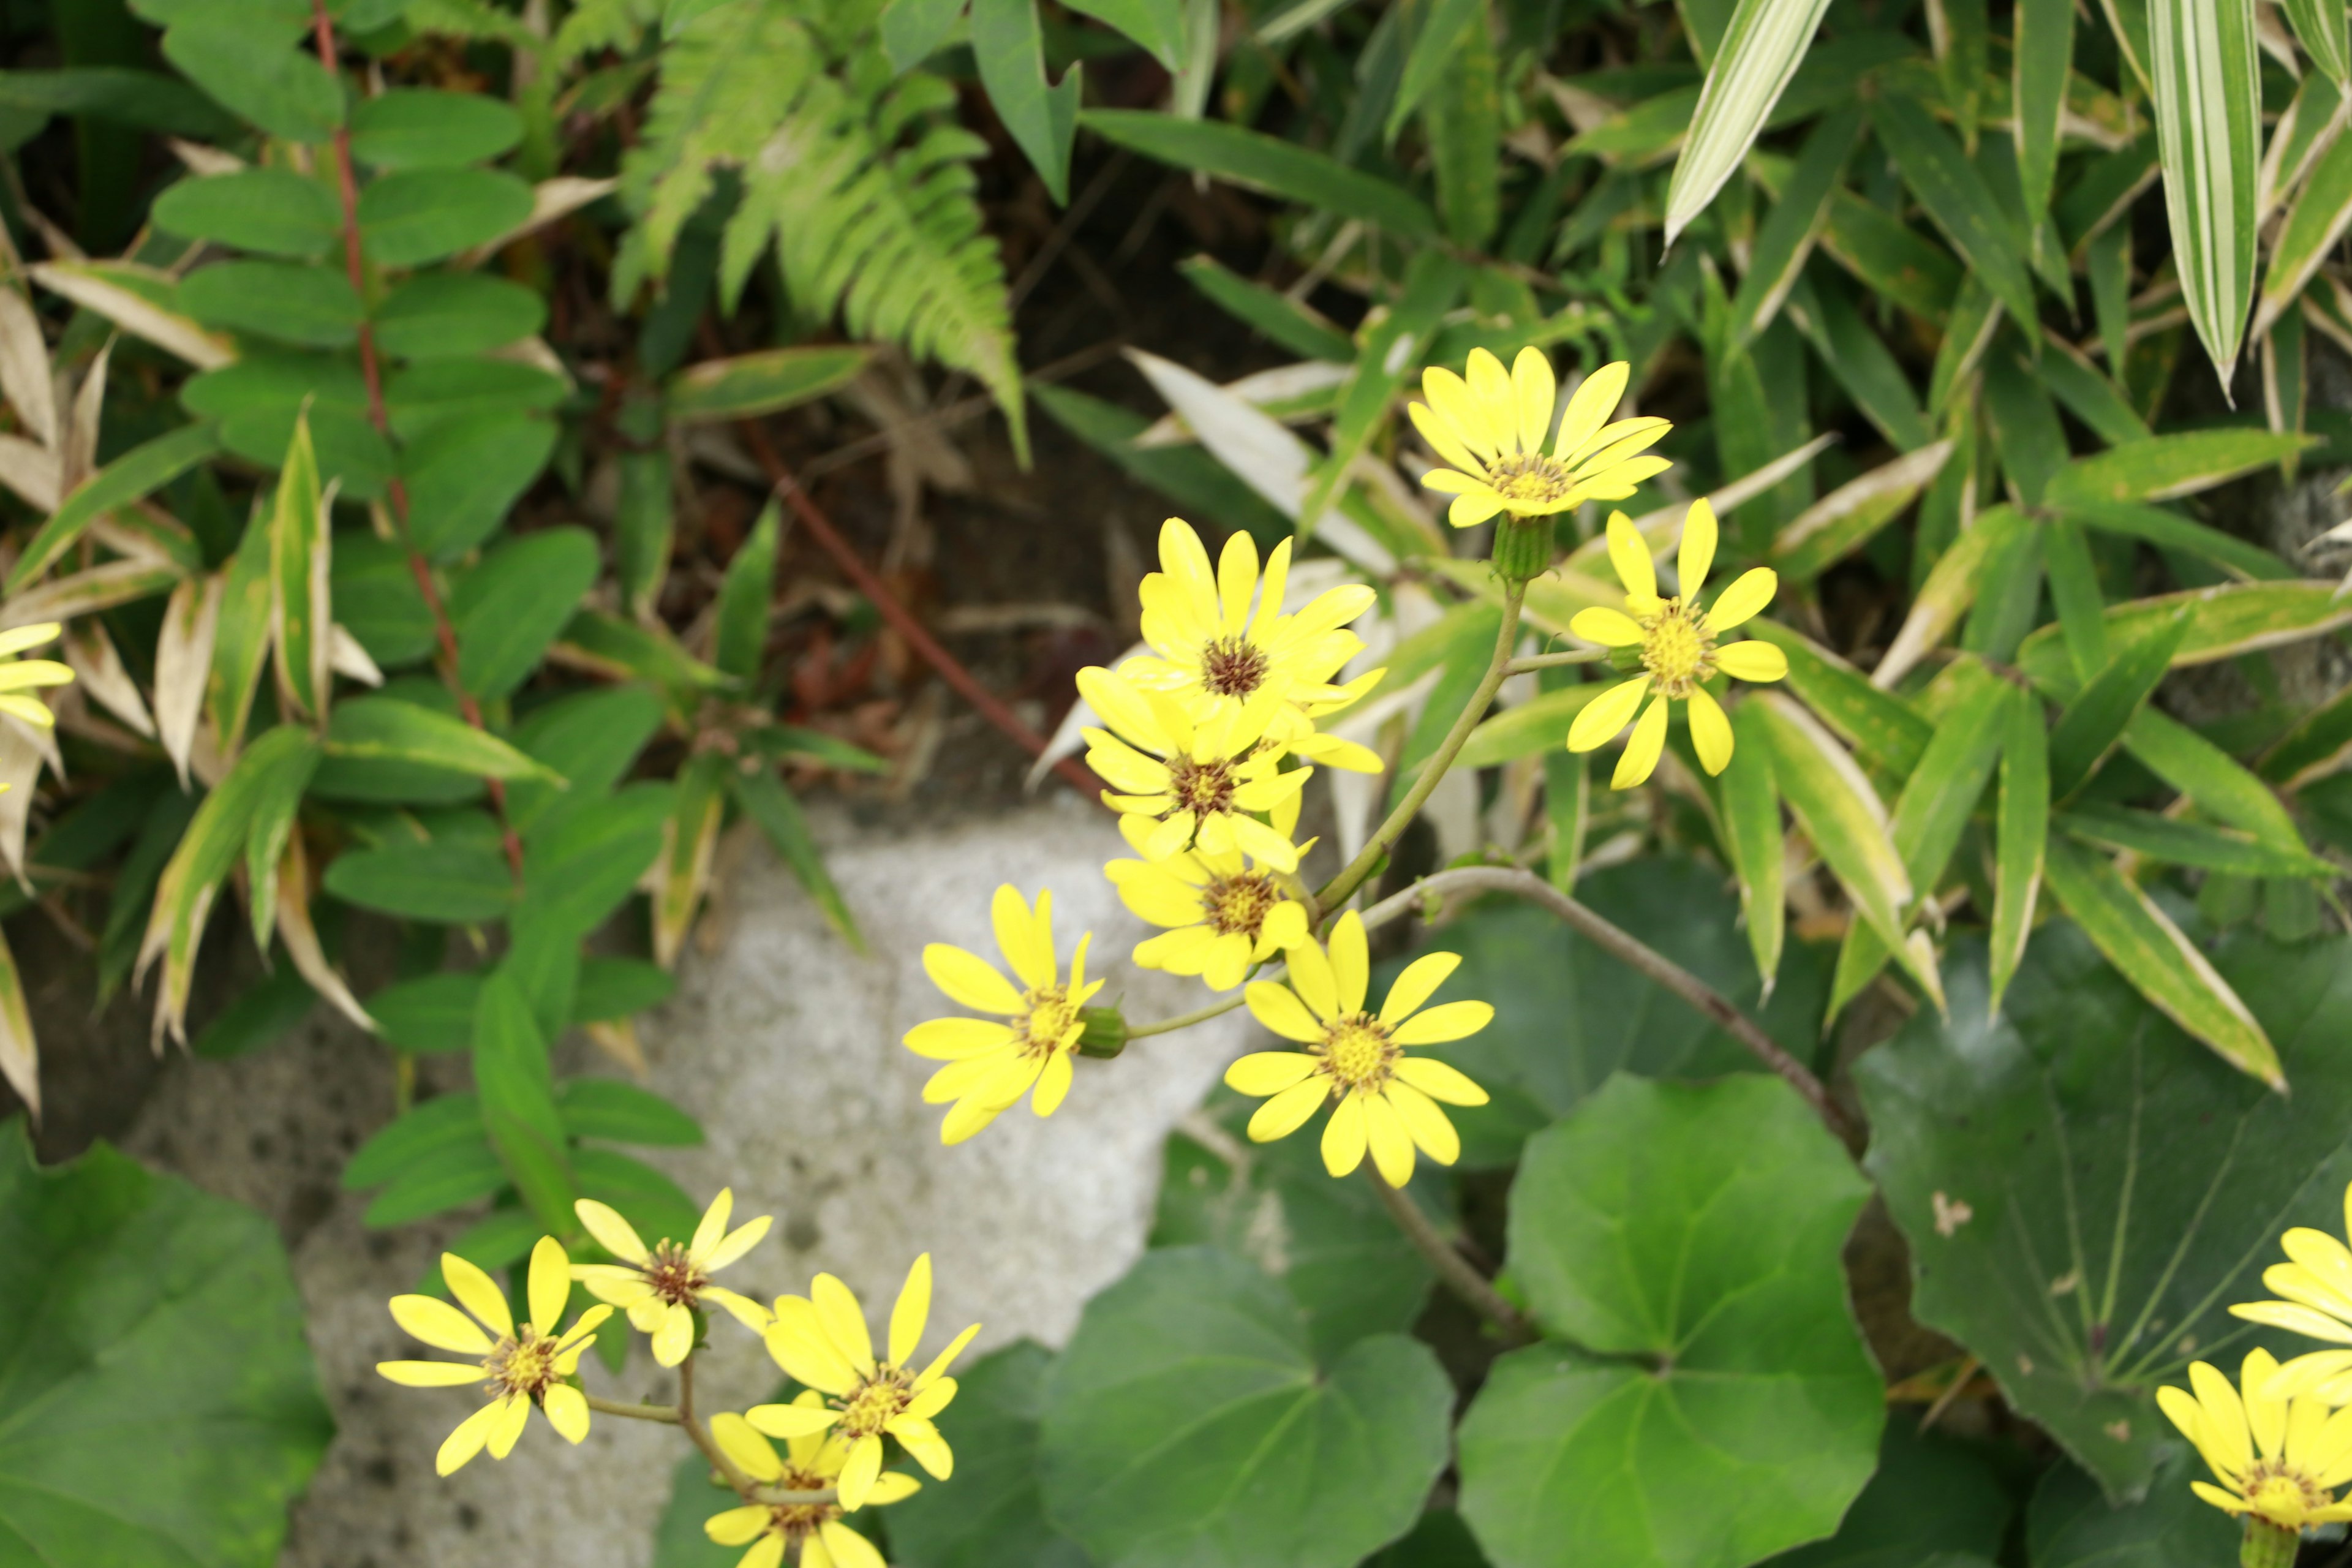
pixel 2041 62
pixel 1751 820
pixel 384 729
pixel 1881 727
pixel 2166 466
pixel 1538 725
pixel 682 874
pixel 1859 358
pixel 2322 211
pixel 2169 531
pixel 2181 843
pixel 241 637
pixel 766 801
pixel 2222 787
pixel 2223 622
pixel 1761 50
pixel 141 301
pixel 2020 833
pixel 1795 223
pixel 301 616
pixel 1845 519
pixel 20 1055
pixel 2092 723
pixel 1957 197
pixel 132 477
pixel 1443 24
pixel 2162 965
pixel 2319 28
pixel 750 386
pixel 1259 161
pixel 2204 75
pixel 1947 592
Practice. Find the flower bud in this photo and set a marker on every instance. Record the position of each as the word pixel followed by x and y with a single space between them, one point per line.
pixel 1522 547
pixel 1106 1033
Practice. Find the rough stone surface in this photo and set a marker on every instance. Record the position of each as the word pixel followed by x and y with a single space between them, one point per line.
pixel 784 1043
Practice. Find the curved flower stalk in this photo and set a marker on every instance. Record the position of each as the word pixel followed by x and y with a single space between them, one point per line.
pixel 1678 649
pixel 821 1340
pixel 19 678
pixel 811 1463
pixel 659 1286
pixel 1225 911
pixel 520 1365
pixel 1491 429
pixel 1381 1100
pixel 991 1065
pixel 1200 784
pixel 2279 1459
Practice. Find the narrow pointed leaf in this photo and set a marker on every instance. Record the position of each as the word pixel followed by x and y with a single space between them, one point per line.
pixel 1789 233
pixel 1761 50
pixel 2317 220
pixel 1751 819
pixel 1958 199
pixel 2319 28
pixel 131 476
pixel 2204 73
pixel 2043 60
pixel 300 615
pixel 2092 723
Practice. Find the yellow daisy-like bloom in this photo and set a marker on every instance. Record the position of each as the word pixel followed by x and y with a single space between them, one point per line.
pixel 811 1463
pixel 2316 1286
pixel 659 1286
pixel 1200 782
pixel 2279 1460
pixel 1380 1098
pixel 518 1365
pixel 991 1065
pixel 1678 649
pixel 1215 651
pixel 21 676
pixel 1226 913
pixel 821 1340
pixel 1492 428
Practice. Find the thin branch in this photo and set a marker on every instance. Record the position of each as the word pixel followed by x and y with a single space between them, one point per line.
pixel 1552 660
pixel 1639 956
pixel 665 1414
pixel 1185 1020
pixel 1460 1277
pixel 669 1415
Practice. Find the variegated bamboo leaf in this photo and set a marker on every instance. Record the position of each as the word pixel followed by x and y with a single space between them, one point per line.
pixel 2020 833
pixel 300 938
pixel 1947 592
pixel 89 652
pixel 77 437
pixel 2223 622
pixel 2319 28
pixel 183 663
pixel 300 615
pixel 681 874
pixel 2314 225
pixel 1751 819
pixel 1845 519
pixel 1761 50
pixel 2208 91
pixel 241 642
pixel 132 297
pixel 24 369
pixel 20 1054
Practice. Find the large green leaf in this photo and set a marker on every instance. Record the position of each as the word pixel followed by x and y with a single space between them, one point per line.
pixel 2070 1525
pixel 158 1402
pixel 992 1516
pixel 1188 1422
pixel 1718 1404
pixel 2209 123
pixel 2085 1189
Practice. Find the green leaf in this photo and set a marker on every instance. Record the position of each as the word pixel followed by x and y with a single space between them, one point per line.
pixel 648 1200
pixel 412 1136
pixel 1538 725
pixel 2166 466
pixel 1858 358
pixel 645 528
pixel 2021 830
pixel 615 988
pixel 417 128
pixel 273 211
pixel 587 739
pixel 452 883
pixel 1788 234
pixel 2175 842
pixel 130 478
pixel 1268 164
pixel 1880 726
pixel 2223 622
pixel 2159 960
pixel 300 615
pixel 424 215
pixel 1890 258
pixel 1761 48
pixel 1931 1494
pixel 1392 351
pixel 994 1516
pixel 583 857
pixel 745 596
pixel 625 650
pixel 2319 28
pixel 1202 486
pixel 2041 61
pixel 1441 26
pixel 1752 821
pixel 2206 78
pixel 1009 47
pixel 282 299
pixel 253 69
pixel 2083 1191
pixel 1956 196
pixel 1287 322
pixel 451 1177
pixel 1464 129
pixel 764 799
pixel 241 644
pixel 453 315
pixel 510 606
pixel 1256 1453
pixel 1969 331
pixel 1847 518
pixel 423 397
pixel 2169 531
pixel 432 1013
pixel 511 1073
pixel 385 729
pixel 914 30
pixel 622 1113
pixel 2027 435
pixel 377 601
pixel 134 1302
pixel 463 475
pixel 149 100
pixel 2322 211
pixel 2070 1525
pixel 258 1017
pixel 1156 25
pixel 1720 1404
pixel 2094 721
pixel 2220 787
pixel 750 386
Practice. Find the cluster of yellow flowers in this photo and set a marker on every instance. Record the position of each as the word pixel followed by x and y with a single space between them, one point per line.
pixel 2279 1442
pixel 832 1431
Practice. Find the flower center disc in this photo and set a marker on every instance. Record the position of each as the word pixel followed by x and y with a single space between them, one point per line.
pixel 1239 903
pixel 1527 478
pixel 2279 1491
pixel 525 1366
pixel 1231 666
pixel 1677 650
pixel 1204 789
pixel 798 1519
pixel 673 1275
pixel 1050 1017
pixel 879 1399
pixel 1357 1052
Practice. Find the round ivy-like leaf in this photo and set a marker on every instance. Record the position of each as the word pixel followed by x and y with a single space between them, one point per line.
pixel 1722 1406
pixel 2085 1189
pixel 1188 1424
pixel 2070 1525
pixel 990 1516
pixel 158 1402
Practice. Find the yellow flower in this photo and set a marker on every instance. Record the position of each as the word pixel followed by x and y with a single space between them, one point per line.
pixel 1492 429
pixel 18 675
pixel 812 1464
pixel 1381 1099
pixel 821 1340
pixel 1200 782
pixel 990 1064
pixel 659 1286
pixel 1215 652
pixel 2316 1282
pixel 2278 1460
pixel 1678 645
pixel 1228 914
pixel 517 1365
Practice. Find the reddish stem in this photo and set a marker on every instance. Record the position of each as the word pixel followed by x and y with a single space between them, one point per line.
pixel 444 631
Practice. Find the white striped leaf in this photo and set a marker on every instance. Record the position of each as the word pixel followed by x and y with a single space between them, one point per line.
pixel 2208 138
pixel 2314 225
pixel 2319 27
pixel 1760 52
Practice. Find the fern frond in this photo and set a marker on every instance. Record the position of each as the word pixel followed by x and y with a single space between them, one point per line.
pixel 852 175
pixel 595 25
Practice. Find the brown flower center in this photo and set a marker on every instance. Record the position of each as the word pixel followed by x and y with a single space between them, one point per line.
pixel 1529 478
pixel 673 1275
pixel 795 1519
pixel 1232 667
pixel 876 1403
pixel 1049 1017
pixel 1357 1052
pixel 1676 648
pixel 2281 1492
pixel 1240 903
pixel 1205 789
pixel 525 1365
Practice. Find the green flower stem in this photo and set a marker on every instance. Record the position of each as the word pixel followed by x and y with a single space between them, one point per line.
pixel 668 1415
pixel 1455 1269
pixel 665 1414
pixel 1552 660
pixel 1636 954
pixel 745 1487
pixel 1185 1020
pixel 1336 892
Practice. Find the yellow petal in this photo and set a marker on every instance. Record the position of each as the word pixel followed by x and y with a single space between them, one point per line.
pixel 1710 731
pixel 892 1486
pixel 1629 553
pixel 1749 593
pixel 1028 949
pixel 2218 1498
pixel 567 1411
pixel 742 1443
pixel 969 980
pixel 466 1441
pixel 1490 385
pixel 1596 398
pixel 1610 628
pixel 29 709
pixel 946 1358
pixel 737 1242
pixel 797 1342
pixel 711 1226
pixel 23 637
pixel 789 1421
pixel 1351 965
pixel 843 1321
pixel 430 1373
pixel 966 1119
pixel 1697 552
pixel 1450 400
pixel 1419 981
pixel 1601 718
pixel 1053 1085
pixel 24 674
pixel 613 1234
pixel 1438 1081
pixel 1446 1021
pixel 1472 507
pixel 847 1547
pixel 2294 1319
pixel 2323 1255
pixel 1534 391
pixel 737 1526
pixel 1288 1111
pixel 768 1552
pixel 1432 1133
pixel 2227 1440
pixel 742 1309
pixel 2306 1371
pixel 1754 661
pixel 440 1325
pixel 1385 1135
pixel 1448 446
pixel 674 1336
pixel 1311 977
pixel 477 1293
pixel 549 1284
pixel 1261 1073
pixel 931 1400
pixel 857 1475
pixel 922 1440
pixel 1344 1136
pixel 2265 1416
pixel 1641 754
pixel 1236 582
pixel 911 1312
pixel 505 1427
